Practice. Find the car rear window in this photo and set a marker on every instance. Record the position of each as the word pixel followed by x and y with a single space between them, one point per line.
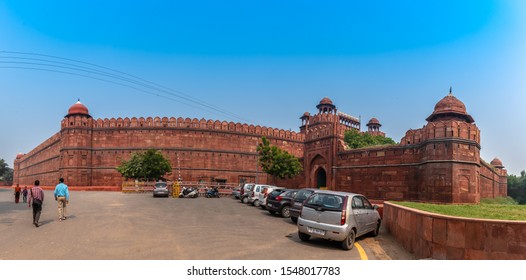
pixel 302 195
pixel 326 201
pixel 290 193
pixel 160 185
pixel 277 192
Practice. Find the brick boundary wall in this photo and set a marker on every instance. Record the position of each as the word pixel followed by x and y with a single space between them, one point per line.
pixel 429 235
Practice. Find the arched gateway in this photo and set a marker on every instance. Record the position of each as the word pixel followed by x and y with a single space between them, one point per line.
pixel 321 178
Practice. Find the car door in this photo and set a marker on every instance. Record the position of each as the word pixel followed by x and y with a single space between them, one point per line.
pixel 359 215
pixel 369 215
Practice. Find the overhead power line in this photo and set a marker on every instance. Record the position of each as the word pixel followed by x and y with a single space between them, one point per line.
pixel 57 64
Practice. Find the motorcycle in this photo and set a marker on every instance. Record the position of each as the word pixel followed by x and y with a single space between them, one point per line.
pixel 213 192
pixel 189 192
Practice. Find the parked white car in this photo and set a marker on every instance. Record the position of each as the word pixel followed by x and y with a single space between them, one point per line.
pixel 264 193
pixel 253 194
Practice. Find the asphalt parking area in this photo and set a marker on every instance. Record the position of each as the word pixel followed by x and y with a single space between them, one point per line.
pixel 117 226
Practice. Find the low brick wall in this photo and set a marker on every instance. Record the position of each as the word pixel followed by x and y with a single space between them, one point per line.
pixel 428 235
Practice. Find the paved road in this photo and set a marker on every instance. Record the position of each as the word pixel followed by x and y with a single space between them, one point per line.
pixel 116 226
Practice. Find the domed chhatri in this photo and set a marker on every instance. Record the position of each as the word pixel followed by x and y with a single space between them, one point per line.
pixel 497 163
pixel 78 109
pixel 326 105
pixel 450 108
pixel 374 121
pixel 326 101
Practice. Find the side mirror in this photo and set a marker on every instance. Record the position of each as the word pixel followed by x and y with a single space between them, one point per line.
pixel 375 207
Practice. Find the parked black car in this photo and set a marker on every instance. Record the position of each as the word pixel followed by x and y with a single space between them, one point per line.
pixel 297 202
pixel 279 201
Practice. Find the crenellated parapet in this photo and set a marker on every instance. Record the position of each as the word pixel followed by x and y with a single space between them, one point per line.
pixel 442 130
pixel 76 121
pixel 197 124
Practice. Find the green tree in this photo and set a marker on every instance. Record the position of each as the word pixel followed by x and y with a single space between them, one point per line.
pixel 355 139
pixel 6 173
pixel 517 187
pixel 277 162
pixel 149 165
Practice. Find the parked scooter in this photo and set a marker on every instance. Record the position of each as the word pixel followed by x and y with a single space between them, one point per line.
pixel 189 192
pixel 212 192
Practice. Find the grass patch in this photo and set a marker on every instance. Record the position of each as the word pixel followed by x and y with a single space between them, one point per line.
pixel 485 210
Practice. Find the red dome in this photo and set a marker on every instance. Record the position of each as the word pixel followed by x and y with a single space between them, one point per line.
pixel 374 121
pixel 78 109
pixel 20 155
pixel 450 106
pixel 326 101
pixel 497 163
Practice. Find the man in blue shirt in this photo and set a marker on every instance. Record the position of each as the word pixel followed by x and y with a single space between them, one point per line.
pixel 62 197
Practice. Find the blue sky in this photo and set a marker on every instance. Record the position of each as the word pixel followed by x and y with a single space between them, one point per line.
pixel 265 62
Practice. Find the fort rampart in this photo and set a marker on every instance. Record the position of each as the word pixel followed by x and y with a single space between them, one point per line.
pixel 86 151
pixel 439 162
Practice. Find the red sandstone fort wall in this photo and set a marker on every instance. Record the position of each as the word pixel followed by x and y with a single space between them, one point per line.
pixel 493 182
pixel 389 173
pixel 198 149
pixel 42 163
pixel 439 162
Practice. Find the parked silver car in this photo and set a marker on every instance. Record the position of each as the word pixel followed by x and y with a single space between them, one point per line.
pixel 338 216
pixel 161 189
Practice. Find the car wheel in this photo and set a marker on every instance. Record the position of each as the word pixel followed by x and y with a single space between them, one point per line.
pixel 256 203
pixel 303 236
pixel 272 212
pixel 285 213
pixel 376 231
pixel 244 200
pixel 348 243
pixel 294 219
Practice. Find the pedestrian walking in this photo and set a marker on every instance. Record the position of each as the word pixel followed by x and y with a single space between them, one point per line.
pixel 17 193
pixel 62 197
pixel 24 194
pixel 36 199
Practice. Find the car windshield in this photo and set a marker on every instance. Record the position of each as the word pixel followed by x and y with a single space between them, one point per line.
pixel 327 201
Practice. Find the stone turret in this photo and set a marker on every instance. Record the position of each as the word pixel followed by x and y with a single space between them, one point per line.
pixel 373 127
pixel 76 146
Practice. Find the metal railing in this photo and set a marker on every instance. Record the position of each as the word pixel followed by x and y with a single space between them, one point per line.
pixel 225 189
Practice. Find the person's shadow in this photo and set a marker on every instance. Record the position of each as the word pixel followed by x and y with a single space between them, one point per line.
pixel 48 221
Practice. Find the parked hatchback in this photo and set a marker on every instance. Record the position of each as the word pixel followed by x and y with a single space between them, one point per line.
pixel 253 194
pixel 264 194
pixel 338 216
pixel 279 201
pixel 161 189
pixel 297 202
pixel 236 193
pixel 243 193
